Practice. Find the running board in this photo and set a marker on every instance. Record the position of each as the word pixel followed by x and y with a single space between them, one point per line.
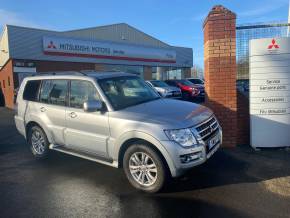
pixel 83 155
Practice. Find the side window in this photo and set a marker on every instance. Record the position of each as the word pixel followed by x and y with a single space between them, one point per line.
pixel 45 89
pixel 54 92
pixel 82 91
pixel 31 90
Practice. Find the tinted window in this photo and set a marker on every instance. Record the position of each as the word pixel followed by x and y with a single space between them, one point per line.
pixel 158 83
pixel 31 90
pixel 185 82
pixel 80 92
pixel 171 83
pixel 54 92
pixel 45 89
pixel 196 81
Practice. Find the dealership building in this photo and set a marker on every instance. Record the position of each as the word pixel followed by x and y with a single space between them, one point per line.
pixel 118 47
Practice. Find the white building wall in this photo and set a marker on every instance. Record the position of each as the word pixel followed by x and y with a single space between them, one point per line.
pixel 4 50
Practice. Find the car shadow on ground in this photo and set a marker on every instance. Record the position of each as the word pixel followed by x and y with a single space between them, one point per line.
pixel 234 166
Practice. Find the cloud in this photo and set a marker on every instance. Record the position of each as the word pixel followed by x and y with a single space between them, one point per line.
pixel 9 17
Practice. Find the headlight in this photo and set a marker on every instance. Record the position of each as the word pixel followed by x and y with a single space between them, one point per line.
pixel 182 136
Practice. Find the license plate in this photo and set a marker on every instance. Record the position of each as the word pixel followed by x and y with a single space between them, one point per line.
pixel 213 141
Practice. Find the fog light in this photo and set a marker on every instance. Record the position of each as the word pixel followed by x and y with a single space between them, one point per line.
pixel 187 158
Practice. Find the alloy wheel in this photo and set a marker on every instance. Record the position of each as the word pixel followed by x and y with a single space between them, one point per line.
pixel 38 142
pixel 143 169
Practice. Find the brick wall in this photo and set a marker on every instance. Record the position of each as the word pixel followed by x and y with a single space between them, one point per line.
pixel 220 69
pixel 7 83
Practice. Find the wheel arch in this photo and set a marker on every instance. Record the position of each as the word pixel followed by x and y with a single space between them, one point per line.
pixel 140 137
pixel 32 123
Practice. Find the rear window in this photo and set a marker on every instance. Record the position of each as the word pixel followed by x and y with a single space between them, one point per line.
pixel 54 92
pixel 31 90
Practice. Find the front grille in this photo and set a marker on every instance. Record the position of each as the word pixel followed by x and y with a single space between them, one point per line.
pixel 208 128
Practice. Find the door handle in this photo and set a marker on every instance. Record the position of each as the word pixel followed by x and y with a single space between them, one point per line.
pixel 73 115
pixel 42 109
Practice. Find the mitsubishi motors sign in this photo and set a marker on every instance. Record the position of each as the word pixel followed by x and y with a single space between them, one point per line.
pixel 270 92
pixel 105 50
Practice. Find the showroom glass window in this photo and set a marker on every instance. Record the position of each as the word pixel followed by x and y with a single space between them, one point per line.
pixel 54 92
pixel 137 70
pixel 82 91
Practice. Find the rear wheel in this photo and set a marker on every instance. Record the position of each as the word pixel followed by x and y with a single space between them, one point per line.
pixel 144 168
pixel 38 142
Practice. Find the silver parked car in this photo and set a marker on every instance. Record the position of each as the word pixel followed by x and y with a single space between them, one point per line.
pixel 118 120
pixel 164 89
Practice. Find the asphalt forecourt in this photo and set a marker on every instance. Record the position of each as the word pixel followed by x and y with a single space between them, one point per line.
pixel 237 182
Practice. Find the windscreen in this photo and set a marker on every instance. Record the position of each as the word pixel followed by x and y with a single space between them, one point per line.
pixel 157 83
pixel 127 91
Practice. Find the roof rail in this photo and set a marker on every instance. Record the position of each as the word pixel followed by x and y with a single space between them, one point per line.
pixel 60 73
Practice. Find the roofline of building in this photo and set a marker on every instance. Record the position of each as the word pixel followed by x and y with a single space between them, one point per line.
pixel 122 23
pixel 88 28
pixel 32 28
pixel 93 27
pixel 261 25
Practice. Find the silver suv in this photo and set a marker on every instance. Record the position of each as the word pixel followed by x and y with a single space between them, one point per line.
pixel 118 120
pixel 164 89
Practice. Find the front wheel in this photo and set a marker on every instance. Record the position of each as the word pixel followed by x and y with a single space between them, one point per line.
pixel 144 168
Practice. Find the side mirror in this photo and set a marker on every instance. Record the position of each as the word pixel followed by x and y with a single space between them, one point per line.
pixel 92 106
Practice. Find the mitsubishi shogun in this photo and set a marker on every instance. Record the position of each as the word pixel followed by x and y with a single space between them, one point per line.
pixel 116 119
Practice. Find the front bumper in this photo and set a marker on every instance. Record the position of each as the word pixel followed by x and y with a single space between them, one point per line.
pixel 197 155
pixel 176 95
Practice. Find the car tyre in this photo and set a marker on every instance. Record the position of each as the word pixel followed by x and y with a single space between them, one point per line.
pixel 142 161
pixel 38 142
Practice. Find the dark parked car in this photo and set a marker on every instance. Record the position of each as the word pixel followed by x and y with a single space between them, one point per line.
pixel 189 90
pixel 243 85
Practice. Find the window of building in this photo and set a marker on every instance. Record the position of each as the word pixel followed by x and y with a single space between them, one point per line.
pixel 137 70
pixel 54 92
pixel 80 92
pixel 8 80
pixel 174 73
pixel 154 73
pixel 31 90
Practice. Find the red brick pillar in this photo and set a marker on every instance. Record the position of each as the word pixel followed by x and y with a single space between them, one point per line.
pixel 220 69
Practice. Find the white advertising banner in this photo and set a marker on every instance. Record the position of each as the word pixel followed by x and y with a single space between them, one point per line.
pixel 105 50
pixel 270 92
